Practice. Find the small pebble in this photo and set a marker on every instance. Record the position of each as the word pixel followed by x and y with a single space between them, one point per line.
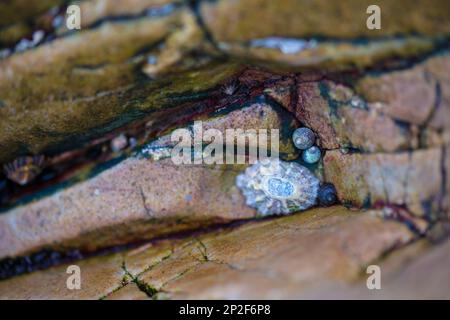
pixel 58 22
pixel 132 142
pixel 303 138
pixel 311 155
pixel 119 143
pixel 152 60
pixel 357 102
pixel 38 36
pixel 23 45
pixel 327 195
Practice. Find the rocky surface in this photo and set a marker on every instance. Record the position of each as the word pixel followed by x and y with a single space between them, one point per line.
pixel 277 258
pixel 100 104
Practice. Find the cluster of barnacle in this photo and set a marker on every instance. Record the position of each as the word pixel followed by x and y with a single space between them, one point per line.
pixel 273 186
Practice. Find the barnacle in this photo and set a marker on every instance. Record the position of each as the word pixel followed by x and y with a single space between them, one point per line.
pixel 24 169
pixel 273 186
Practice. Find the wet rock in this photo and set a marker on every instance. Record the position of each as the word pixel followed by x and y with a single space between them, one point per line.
pixel 408 95
pixel 236 27
pixel 131 195
pixel 128 292
pixel 221 267
pixel 424 277
pixel 407 178
pixel 322 245
pixel 328 109
pixel 94 11
pixel 242 20
pixel 446 169
pixel 175 48
pixel 255 115
pixel 438 68
pixel 417 271
pixel 76 76
pixel 131 201
pixel 331 55
pixel 378 103
pixel 99 276
pixel 18 18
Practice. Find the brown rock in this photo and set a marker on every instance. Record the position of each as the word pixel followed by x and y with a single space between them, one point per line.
pixel 98 9
pixel 129 292
pixel 419 95
pixel 439 68
pixel 404 95
pixel 341 119
pixel 78 75
pixel 327 55
pixel 446 201
pixel 131 200
pixel 236 24
pixel 245 20
pixel 425 277
pixel 136 197
pixel 277 258
pixel 222 267
pixel 253 118
pixel 417 271
pixel 99 276
pixel 411 179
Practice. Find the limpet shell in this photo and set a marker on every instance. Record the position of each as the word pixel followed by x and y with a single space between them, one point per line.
pixel 275 187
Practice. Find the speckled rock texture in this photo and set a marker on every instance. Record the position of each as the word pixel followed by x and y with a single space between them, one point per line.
pixel 99 105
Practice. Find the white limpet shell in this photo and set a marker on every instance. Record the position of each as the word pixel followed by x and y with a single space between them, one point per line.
pixel 274 187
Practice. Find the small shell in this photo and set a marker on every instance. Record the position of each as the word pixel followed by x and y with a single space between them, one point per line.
pixel 24 169
pixel 273 186
pixel 327 195
pixel 303 138
pixel 311 155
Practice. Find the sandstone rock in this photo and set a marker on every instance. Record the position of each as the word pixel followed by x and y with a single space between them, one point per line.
pixel 256 115
pixel 132 200
pixel 417 271
pixel 99 276
pixel 243 20
pixel 326 55
pixel 66 84
pixel 19 18
pixel 438 67
pixel 327 109
pixel 446 200
pixel 412 179
pixel 378 102
pixel 141 198
pixel 221 267
pixel 99 9
pixel 236 27
pixel 128 292
pixel 425 277
pixel 321 245
pixel 404 95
